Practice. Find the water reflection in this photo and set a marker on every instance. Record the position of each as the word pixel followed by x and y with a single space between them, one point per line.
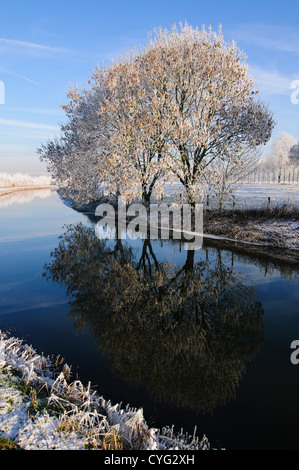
pixel 24 197
pixel 183 331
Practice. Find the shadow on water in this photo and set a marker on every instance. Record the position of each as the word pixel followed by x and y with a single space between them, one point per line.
pixel 185 332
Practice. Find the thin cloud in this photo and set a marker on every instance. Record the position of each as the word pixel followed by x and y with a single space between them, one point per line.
pixel 283 38
pixel 270 82
pixel 31 46
pixel 22 77
pixel 28 125
pixel 44 111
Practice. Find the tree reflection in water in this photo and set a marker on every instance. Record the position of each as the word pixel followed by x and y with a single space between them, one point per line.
pixel 185 332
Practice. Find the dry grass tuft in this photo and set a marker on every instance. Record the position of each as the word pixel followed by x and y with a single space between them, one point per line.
pixel 113 440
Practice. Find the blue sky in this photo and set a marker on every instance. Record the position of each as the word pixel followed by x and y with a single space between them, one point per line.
pixel 47 46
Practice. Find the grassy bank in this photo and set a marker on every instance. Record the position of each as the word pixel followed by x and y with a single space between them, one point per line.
pixel 41 408
pixel 275 228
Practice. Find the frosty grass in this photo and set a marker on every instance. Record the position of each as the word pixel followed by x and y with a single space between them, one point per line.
pixel 41 409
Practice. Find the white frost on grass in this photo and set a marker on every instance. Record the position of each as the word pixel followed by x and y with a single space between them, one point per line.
pixel 255 195
pixel 273 233
pixel 41 409
pixel 284 233
pixel 24 180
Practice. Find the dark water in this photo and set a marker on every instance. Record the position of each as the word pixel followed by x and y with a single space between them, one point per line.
pixel 194 338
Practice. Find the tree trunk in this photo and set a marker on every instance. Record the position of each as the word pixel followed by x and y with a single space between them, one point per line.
pixel 220 204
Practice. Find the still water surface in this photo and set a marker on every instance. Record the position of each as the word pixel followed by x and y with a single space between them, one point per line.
pixel 194 338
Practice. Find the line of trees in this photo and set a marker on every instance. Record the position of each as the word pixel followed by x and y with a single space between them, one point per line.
pixel 281 165
pixel 182 109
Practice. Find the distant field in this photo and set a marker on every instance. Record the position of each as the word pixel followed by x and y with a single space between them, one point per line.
pixel 24 180
pixel 255 195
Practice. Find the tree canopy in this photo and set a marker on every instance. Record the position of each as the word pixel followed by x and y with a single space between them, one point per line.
pixel 165 112
pixel 294 154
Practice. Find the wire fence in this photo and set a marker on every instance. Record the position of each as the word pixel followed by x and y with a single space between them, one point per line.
pixel 248 195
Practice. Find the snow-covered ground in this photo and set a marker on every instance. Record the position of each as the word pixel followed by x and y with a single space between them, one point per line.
pixel 256 195
pixel 253 195
pixel 268 233
pixel 41 409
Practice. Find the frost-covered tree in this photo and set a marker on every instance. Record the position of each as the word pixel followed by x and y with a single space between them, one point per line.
pixel 185 100
pixel 210 109
pixel 294 164
pixel 279 156
pixel 229 174
pixel 133 138
pixel 294 155
pixel 170 109
pixel 73 160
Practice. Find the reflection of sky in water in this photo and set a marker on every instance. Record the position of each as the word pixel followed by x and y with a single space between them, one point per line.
pixel 29 227
pixel 39 214
pixel 23 197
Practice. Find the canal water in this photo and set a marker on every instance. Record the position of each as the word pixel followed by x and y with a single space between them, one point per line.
pixel 195 338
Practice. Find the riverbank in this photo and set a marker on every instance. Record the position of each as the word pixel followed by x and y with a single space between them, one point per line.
pixel 268 229
pixel 41 408
pixel 5 191
pixel 272 231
